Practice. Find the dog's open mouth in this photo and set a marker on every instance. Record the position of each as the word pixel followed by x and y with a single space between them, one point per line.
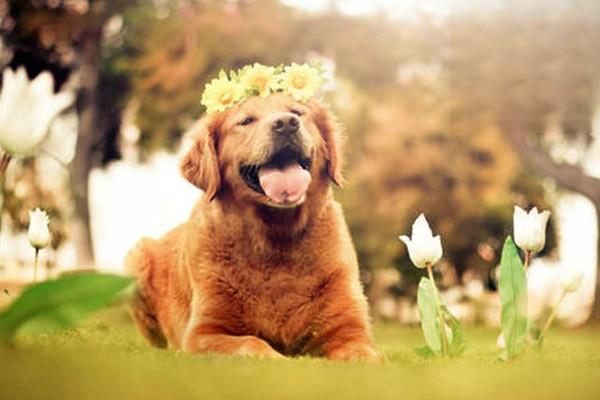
pixel 284 179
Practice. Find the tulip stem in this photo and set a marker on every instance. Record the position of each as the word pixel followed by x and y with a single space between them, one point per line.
pixel 35 265
pixel 527 259
pixel 439 311
pixel 552 315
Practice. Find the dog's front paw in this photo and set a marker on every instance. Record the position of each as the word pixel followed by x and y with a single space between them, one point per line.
pixel 355 352
pixel 255 347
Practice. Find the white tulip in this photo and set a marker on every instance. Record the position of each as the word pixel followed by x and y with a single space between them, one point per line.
pixel 38 233
pixel 26 110
pixel 571 280
pixel 530 229
pixel 423 248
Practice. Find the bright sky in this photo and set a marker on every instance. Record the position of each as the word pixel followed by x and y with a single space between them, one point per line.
pixel 395 8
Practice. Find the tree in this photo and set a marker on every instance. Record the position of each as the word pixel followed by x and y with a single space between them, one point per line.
pixel 528 66
pixel 65 38
pixel 420 156
pixel 386 187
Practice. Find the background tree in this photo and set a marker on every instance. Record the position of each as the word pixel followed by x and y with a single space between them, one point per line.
pixel 411 148
pixel 67 37
pixel 435 112
pixel 542 72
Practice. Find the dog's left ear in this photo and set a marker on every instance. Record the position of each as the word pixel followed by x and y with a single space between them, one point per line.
pixel 200 165
pixel 332 133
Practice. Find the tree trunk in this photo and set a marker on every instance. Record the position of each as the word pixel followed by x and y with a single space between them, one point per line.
pixel 569 177
pixel 85 157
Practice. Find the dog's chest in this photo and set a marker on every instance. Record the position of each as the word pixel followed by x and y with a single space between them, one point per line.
pixel 279 304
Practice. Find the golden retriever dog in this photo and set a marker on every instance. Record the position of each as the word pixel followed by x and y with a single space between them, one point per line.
pixel 265 265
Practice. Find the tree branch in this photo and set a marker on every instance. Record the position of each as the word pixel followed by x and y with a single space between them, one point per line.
pixel 567 176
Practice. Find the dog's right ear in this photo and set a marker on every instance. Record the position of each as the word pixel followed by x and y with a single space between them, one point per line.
pixel 331 131
pixel 200 165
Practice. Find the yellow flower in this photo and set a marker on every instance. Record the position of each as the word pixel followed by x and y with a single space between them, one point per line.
pixel 259 78
pixel 221 93
pixel 300 81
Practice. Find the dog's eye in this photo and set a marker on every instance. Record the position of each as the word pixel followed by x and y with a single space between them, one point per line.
pixel 296 112
pixel 247 121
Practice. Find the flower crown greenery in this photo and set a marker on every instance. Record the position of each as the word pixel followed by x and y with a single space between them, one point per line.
pixel 300 81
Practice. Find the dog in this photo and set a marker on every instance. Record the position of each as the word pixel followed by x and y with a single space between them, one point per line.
pixel 265 265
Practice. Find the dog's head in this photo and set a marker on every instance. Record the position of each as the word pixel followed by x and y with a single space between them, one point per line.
pixel 272 151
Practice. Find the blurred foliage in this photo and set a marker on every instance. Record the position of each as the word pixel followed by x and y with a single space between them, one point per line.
pixel 49 35
pixel 171 52
pixel 61 303
pixel 402 135
pixel 426 104
pixel 528 65
pixel 421 155
pixel 23 190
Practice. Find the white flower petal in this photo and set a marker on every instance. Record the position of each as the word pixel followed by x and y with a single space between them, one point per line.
pixel 530 229
pixel 423 248
pixel 544 216
pixel 27 109
pixel 437 250
pixel 38 233
pixel 61 101
pixel 42 86
pixel 405 239
pixel 421 229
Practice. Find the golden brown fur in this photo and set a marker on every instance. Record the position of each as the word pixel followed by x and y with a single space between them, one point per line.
pixel 242 277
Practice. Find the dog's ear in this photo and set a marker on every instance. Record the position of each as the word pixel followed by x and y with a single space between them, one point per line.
pixel 200 165
pixel 332 133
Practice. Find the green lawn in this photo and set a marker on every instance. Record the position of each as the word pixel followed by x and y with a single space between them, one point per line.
pixel 106 359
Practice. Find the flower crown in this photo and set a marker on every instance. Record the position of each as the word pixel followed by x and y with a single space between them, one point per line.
pixel 300 81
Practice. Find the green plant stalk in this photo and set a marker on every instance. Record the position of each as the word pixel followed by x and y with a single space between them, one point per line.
pixel 553 314
pixel 527 259
pixel 438 303
pixel 35 265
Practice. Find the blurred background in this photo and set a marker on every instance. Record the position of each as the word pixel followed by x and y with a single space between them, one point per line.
pixel 459 109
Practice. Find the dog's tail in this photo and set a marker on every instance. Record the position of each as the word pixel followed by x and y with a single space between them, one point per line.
pixel 139 264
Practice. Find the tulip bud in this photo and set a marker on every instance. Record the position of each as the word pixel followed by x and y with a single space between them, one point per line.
pixel 530 229
pixel 38 233
pixel 26 110
pixel 423 248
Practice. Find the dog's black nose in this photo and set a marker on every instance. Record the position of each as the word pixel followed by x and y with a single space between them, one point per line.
pixel 287 124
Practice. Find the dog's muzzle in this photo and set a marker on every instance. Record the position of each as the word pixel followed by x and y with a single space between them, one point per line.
pixel 284 178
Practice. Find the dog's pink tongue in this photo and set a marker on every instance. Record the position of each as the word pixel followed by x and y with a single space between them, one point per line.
pixel 284 185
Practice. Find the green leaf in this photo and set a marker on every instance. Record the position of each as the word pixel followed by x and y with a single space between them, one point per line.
pixel 457 338
pixel 252 91
pixel 60 303
pixel 424 351
pixel 513 296
pixel 279 69
pixel 428 313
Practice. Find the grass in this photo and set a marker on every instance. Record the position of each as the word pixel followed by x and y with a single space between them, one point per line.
pixel 105 358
